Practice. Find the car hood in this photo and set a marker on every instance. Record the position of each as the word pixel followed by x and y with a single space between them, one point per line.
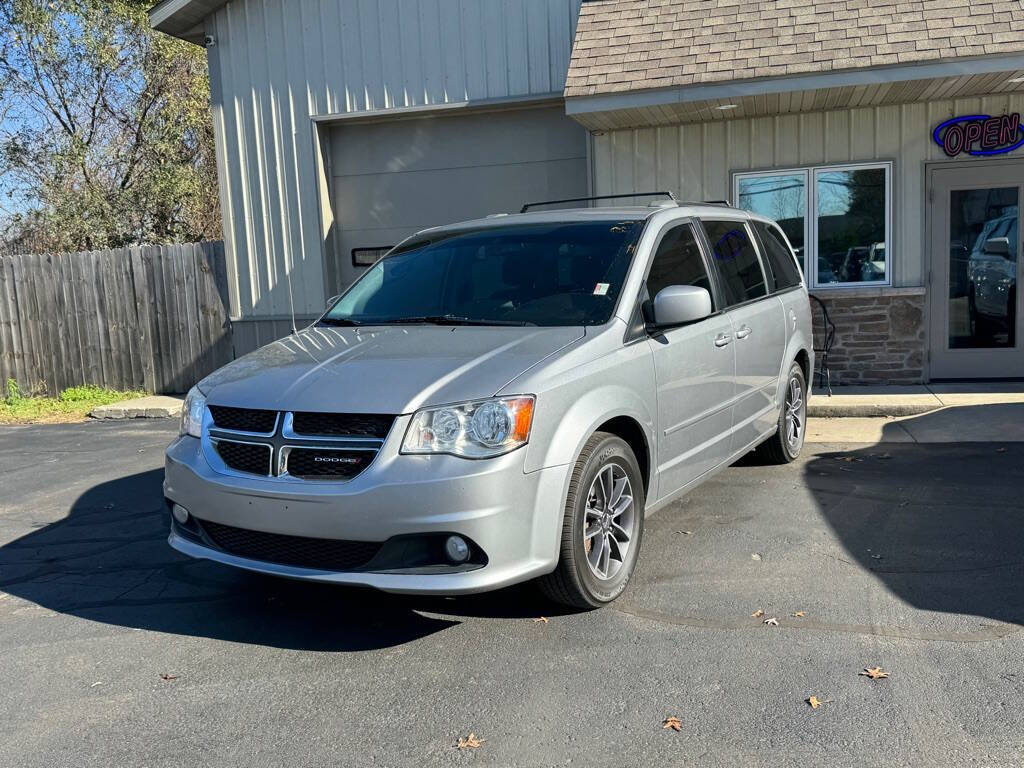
pixel 382 369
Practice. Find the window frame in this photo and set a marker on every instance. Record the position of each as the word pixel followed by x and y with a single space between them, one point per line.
pixel 811 174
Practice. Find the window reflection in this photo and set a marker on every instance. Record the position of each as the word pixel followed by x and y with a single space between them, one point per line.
pixel 851 225
pixel 781 197
pixel 983 241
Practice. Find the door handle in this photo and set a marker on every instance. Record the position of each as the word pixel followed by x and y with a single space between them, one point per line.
pixel 743 332
pixel 722 339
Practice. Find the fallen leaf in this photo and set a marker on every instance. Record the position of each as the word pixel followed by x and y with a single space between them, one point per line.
pixel 798 614
pixel 875 673
pixel 814 702
pixel 543 619
pixel 470 742
pixel 165 676
pixel 772 622
pixel 672 722
pixel 755 556
pixel 757 614
pixel 686 533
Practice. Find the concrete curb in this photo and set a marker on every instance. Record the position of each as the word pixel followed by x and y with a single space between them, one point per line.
pixel 153 407
pixel 867 410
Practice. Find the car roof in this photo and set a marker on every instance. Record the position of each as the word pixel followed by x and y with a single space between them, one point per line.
pixel 603 213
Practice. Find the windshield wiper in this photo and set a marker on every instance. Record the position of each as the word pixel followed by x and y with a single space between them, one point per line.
pixel 451 320
pixel 340 321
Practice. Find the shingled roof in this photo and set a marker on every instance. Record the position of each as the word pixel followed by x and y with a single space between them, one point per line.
pixel 626 45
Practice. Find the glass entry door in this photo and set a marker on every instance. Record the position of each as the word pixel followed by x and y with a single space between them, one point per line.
pixel 975 245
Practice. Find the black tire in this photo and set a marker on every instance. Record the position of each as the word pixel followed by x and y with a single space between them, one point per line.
pixel 779 449
pixel 575 582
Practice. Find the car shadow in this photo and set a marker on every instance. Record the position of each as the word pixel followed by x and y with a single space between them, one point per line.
pixel 108 561
pixel 939 524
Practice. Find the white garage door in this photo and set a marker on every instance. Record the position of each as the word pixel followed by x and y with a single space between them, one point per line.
pixel 396 177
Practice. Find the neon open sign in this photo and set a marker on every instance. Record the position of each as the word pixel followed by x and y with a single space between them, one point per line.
pixel 980 134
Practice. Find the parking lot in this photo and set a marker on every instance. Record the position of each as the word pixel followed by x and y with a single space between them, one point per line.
pixel 909 556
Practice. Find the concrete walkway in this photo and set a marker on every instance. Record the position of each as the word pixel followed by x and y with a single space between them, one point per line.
pixel 908 401
pixel 149 407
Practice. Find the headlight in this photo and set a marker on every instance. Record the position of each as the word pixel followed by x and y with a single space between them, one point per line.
pixel 475 430
pixel 192 414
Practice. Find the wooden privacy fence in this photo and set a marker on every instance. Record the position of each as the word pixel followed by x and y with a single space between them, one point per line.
pixel 151 317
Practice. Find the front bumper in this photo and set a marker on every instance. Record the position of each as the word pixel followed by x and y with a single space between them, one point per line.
pixel 513 516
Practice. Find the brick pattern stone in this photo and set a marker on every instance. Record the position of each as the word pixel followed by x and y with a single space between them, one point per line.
pixel 624 45
pixel 879 339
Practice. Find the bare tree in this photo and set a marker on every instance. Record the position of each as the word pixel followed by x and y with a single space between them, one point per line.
pixel 105 130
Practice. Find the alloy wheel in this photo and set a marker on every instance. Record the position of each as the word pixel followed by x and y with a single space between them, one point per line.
pixel 608 522
pixel 794 414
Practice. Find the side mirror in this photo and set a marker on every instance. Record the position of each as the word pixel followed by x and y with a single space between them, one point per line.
pixel 680 304
pixel 331 300
pixel 998 246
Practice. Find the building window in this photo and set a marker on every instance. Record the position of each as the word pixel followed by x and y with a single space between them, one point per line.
pixel 836 217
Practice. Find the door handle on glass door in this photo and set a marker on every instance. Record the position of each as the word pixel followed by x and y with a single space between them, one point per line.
pixel 722 339
pixel 743 332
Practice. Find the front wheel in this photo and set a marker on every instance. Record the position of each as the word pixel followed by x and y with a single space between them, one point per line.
pixel 602 527
pixel 785 445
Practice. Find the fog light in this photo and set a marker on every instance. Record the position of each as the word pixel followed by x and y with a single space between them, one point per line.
pixel 180 514
pixel 456 549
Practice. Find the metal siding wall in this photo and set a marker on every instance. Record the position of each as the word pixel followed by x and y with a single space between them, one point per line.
pixel 696 160
pixel 277 63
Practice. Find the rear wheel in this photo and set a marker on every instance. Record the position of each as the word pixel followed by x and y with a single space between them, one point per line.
pixel 785 445
pixel 602 527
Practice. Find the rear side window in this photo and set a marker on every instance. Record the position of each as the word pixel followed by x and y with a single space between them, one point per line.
pixel 677 262
pixel 736 261
pixel 785 271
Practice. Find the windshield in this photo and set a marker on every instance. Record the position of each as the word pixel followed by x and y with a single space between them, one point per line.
pixel 534 274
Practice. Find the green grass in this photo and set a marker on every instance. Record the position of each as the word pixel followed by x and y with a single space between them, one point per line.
pixel 73 404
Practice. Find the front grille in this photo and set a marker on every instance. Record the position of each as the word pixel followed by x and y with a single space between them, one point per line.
pixel 245 457
pixel 301 551
pixel 326 463
pixel 243 419
pixel 342 424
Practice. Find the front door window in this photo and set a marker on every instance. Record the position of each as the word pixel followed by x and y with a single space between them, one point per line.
pixel 983 238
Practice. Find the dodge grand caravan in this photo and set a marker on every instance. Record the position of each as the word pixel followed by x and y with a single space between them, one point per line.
pixel 502 400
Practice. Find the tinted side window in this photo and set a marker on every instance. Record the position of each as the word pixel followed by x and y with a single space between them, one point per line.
pixel 736 261
pixel 780 259
pixel 677 262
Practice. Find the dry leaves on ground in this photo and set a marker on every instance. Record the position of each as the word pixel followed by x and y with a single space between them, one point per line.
pixel 757 614
pixel 875 673
pixel 815 702
pixel 772 622
pixel 798 614
pixel 165 676
pixel 672 722
pixel 470 742
pixel 541 619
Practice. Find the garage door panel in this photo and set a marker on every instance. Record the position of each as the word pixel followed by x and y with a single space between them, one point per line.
pixel 428 199
pixel 492 138
pixel 393 179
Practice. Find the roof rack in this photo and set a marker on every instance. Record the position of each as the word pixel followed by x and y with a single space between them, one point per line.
pixel 526 207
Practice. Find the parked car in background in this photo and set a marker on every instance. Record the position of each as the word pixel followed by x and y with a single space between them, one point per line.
pixel 992 277
pixel 502 400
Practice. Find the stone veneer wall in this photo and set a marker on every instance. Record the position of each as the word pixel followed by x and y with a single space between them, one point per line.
pixel 880 335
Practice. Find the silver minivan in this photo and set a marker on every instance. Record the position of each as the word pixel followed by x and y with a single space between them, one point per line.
pixel 502 400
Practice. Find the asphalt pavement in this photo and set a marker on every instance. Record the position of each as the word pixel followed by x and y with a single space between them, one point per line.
pixel 115 650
